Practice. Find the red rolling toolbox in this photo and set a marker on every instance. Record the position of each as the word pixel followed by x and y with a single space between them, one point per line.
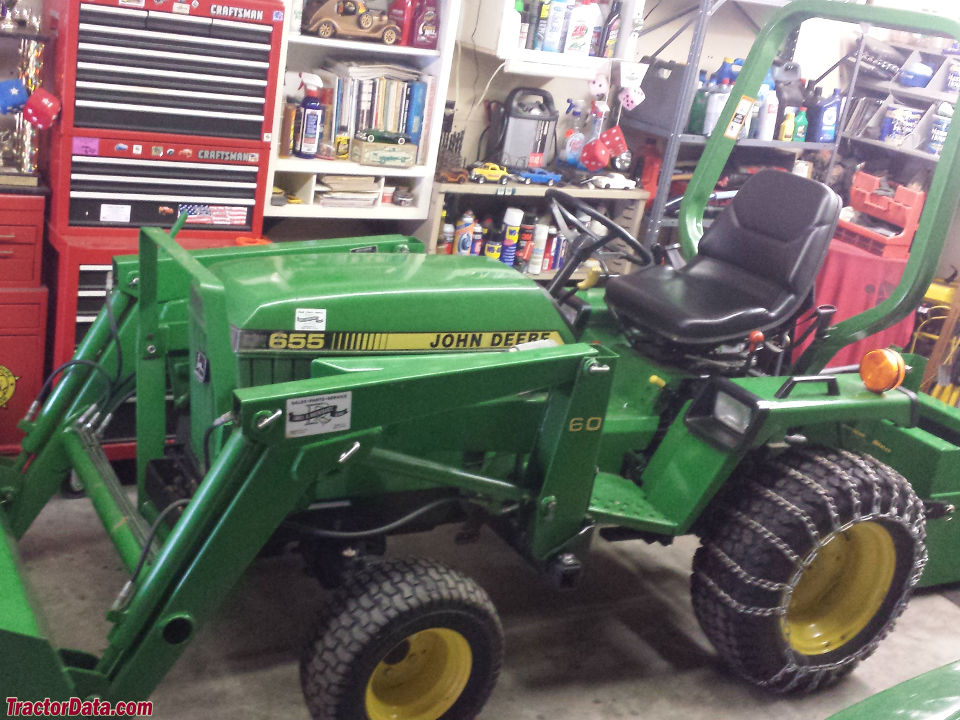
pixel 23 314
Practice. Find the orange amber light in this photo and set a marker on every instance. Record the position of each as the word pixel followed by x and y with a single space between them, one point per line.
pixel 882 370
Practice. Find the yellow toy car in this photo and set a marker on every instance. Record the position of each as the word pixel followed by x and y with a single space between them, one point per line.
pixel 484 172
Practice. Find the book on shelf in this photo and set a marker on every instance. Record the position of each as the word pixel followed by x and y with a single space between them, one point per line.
pixel 376 96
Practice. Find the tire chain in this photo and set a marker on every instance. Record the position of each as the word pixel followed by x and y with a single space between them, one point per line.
pixel 912 514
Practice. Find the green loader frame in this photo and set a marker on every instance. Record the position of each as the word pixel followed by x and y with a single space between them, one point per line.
pixel 602 438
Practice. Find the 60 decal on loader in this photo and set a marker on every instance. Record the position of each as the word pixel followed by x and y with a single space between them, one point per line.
pixel 330 398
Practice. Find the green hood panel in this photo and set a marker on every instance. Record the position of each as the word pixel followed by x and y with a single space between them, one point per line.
pixel 383 303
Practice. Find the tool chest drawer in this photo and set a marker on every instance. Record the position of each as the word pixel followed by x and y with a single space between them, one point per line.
pixel 20 254
pixel 22 337
pixel 21 240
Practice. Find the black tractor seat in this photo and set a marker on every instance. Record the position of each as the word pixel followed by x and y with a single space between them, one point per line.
pixel 755 266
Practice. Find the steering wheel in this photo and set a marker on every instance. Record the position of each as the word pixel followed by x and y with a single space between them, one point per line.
pixel 565 209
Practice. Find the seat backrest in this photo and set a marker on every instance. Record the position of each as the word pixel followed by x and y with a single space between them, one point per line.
pixel 778 227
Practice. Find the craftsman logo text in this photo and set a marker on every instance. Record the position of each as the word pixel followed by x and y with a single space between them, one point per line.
pixel 236 12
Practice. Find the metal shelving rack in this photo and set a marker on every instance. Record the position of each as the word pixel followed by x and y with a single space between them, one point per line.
pixel 699 19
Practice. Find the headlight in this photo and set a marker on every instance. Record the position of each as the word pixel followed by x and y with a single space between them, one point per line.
pixel 732 413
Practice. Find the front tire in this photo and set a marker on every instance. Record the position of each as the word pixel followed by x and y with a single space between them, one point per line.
pixel 806 565
pixel 403 639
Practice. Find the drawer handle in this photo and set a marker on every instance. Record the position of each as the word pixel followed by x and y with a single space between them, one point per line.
pixel 6 252
pixel 7 237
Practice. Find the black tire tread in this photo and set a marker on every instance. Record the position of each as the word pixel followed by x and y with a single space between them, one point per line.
pixel 367 603
pixel 771 517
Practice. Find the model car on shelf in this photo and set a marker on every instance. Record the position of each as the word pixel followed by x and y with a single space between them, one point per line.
pixel 348 19
pixel 456 175
pixel 539 176
pixel 382 136
pixel 615 180
pixel 489 172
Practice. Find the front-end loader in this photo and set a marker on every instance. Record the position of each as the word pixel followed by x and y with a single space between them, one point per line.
pixel 324 395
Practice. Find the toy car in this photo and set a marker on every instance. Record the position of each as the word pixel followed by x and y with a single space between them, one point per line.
pixel 540 177
pixel 491 172
pixel 615 180
pixel 382 136
pixel 457 175
pixel 349 19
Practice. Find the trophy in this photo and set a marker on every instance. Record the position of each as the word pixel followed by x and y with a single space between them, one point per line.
pixel 6 146
pixel 7 24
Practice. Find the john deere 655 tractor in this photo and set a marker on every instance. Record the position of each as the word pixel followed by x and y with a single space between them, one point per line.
pixel 328 398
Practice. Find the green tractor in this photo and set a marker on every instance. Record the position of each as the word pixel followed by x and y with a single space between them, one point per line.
pixel 326 395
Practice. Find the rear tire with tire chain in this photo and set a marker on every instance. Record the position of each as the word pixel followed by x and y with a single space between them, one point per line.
pixel 377 621
pixel 806 565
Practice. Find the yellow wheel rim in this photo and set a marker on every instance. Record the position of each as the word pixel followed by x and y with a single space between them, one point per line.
pixel 841 590
pixel 421 678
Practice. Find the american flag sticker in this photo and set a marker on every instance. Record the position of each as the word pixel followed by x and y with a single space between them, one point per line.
pixel 214 214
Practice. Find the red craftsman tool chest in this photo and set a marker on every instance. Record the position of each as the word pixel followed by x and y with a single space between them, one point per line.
pixel 21 240
pixel 23 314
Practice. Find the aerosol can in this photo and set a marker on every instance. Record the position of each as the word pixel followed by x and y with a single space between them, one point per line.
pixel 309 125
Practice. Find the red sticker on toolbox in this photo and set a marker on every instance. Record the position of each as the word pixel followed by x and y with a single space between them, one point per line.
pixel 86 146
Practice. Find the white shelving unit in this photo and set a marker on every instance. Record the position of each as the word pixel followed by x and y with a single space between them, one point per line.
pixel 496 34
pixel 299 176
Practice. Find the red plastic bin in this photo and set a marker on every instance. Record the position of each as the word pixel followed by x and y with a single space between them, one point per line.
pixel 902 210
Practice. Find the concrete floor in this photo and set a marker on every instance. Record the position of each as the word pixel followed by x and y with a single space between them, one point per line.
pixel 623 645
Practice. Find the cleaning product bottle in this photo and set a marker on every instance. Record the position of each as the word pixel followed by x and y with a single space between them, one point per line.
pixel 767 119
pixel 401 12
pixel 800 125
pixel 553 35
pixel 583 18
pixel 541 25
pixel 715 104
pixel 574 137
pixel 307 142
pixel 597 34
pixel 611 31
pixel 521 10
pixel 425 24
pixel 788 125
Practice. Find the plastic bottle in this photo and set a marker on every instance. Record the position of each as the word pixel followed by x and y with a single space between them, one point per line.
pixel 788 125
pixel 800 125
pixel 463 234
pixel 715 102
pixel 698 111
pixel 542 18
pixel 611 31
pixel 524 23
pixel 726 71
pixel 401 12
pixel 580 26
pixel 307 141
pixel 575 140
pixel 553 34
pixel 425 24
pixel 823 128
pixel 539 247
pixel 767 119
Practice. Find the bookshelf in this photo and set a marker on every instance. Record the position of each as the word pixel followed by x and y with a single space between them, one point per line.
pixel 298 176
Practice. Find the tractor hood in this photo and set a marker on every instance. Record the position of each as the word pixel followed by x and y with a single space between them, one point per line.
pixel 360 303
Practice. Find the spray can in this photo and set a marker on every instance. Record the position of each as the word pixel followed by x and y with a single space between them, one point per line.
pixel 525 245
pixel 539 247
pixel 512 219
pixel 307 142
pixel 463 235
pixel 445 246
pixel 476 248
